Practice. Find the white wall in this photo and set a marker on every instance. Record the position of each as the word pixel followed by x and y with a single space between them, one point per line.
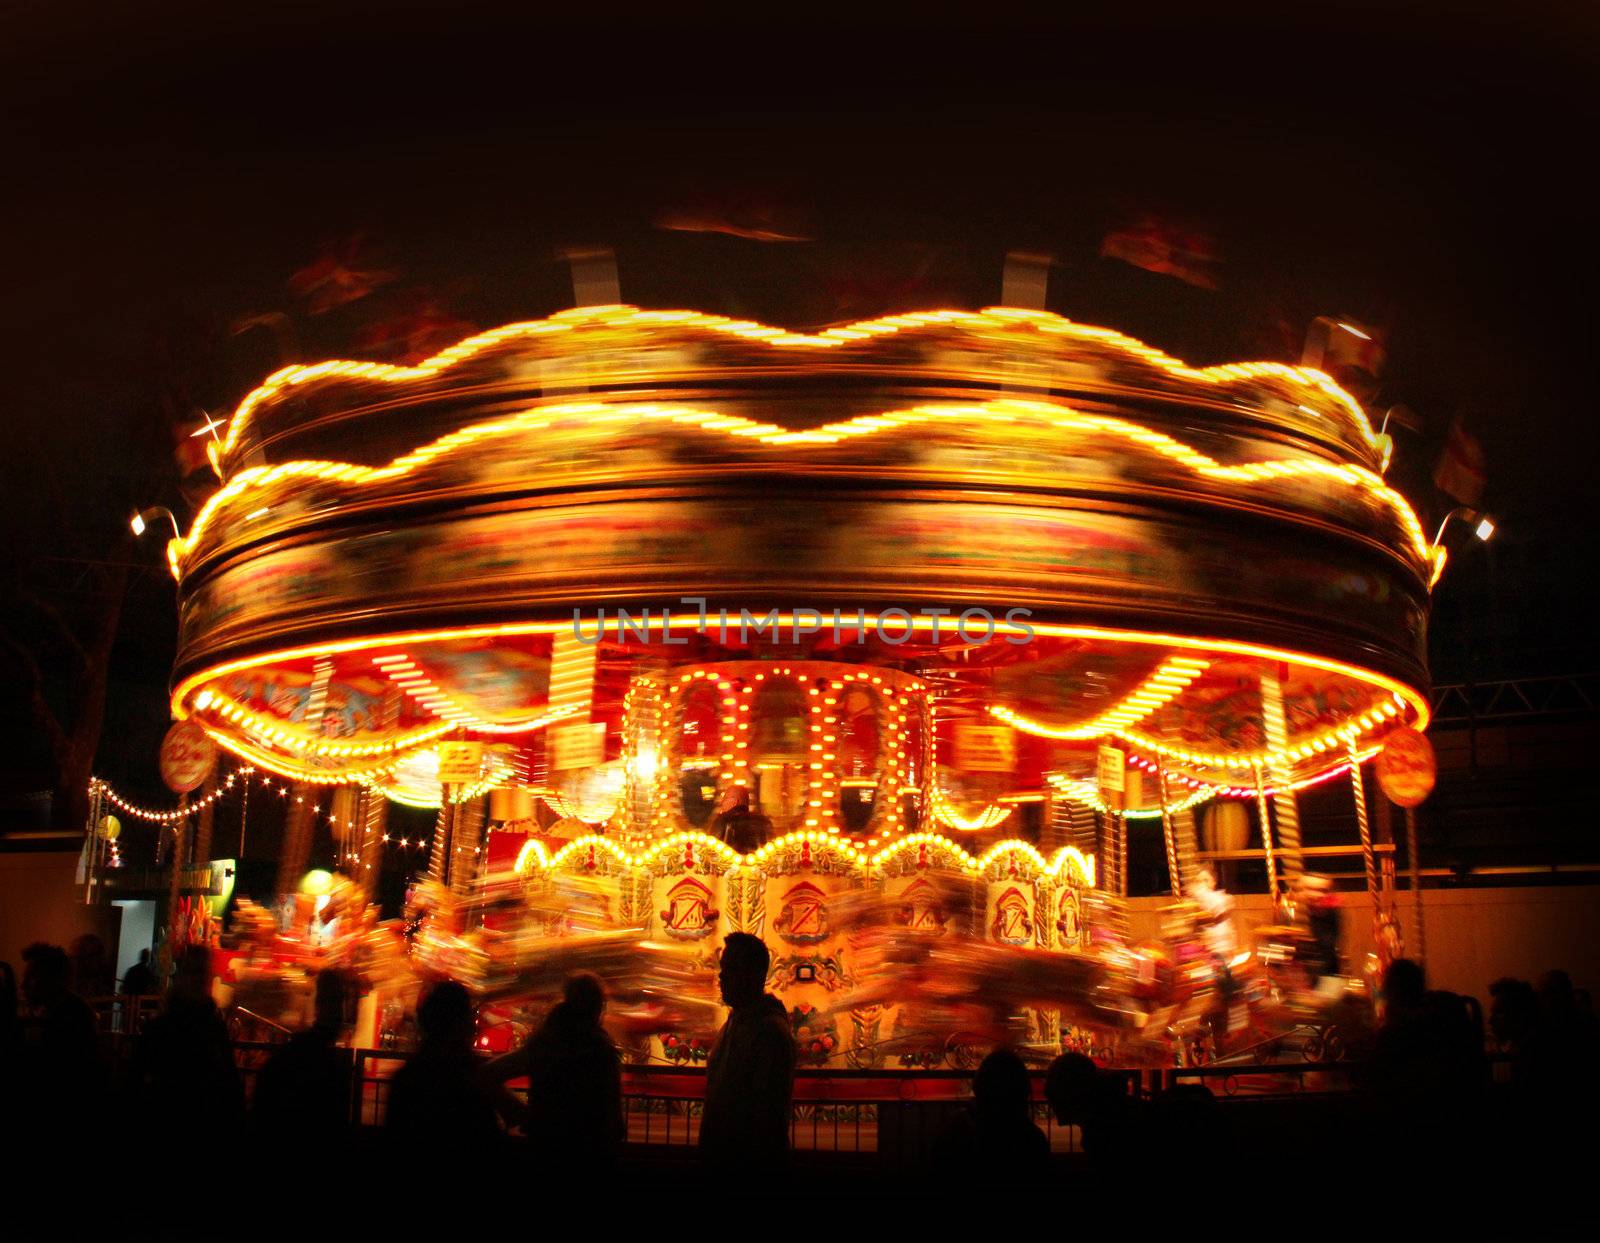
pixel 138 932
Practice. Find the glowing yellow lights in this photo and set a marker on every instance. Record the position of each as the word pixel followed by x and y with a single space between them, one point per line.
pixel 283 768
pixel 1168 681
pixel 175 814
pixel 991 817
pixel 532 855
pixel 1049 414
pixel 403 672
pixel 277 732
pixel 1300 381
pixel 1403 696
pixel 1374 717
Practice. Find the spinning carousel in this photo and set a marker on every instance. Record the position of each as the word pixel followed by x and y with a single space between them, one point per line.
pixel 876 643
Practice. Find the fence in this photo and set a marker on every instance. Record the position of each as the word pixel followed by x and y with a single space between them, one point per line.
pixel 894 1117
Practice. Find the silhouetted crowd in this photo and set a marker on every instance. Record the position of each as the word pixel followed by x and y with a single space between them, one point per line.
pixel 1428 1087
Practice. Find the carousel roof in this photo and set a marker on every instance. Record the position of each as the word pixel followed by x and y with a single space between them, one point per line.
pixel 393 550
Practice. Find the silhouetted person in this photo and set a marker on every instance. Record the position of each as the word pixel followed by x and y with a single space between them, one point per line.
pixel 436 1103
pixel 303 1092
pixel 750 1073
pixel 58 1064
pixel 140 980
pixel 995 1140
pixel 1425 1074
pixel 183 1068
pixel 1569 1039
pixel 1109 1120
pixel 573 1117
pixel 10 1023
pixel 737 825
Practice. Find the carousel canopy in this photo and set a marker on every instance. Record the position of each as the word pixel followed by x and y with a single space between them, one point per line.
pixel 1039 524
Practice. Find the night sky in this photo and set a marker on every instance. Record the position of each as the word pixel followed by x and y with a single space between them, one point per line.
pixel 167 175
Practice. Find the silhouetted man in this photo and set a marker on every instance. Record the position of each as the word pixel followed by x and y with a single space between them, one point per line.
pixel 140 981
pixel 995 1142
pixel 436 1104
pixel 573 1117
pixel 750 1073
pixel 1083 1095
pixel 59 1071
pixel 183 1065
pixel 304 1089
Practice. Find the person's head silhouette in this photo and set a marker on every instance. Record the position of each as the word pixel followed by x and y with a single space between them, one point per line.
pixel 45 971
pixel 1001 1089
pixel 1404 985
pixel 1072 1086
pixel 445 1015
pixel 743 970
pixel 585 998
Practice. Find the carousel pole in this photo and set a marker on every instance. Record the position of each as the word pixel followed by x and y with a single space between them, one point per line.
pixel 299 819
pixel 244 808
pixel 171 913
pixel 1265 814
pixel 1414 866
pixel 1188 845
pixel 1283 802
pixel 206 819
pixel 1168 832
pixel 1358 788
pixel 439 855
pixel 1120 820
pixel 373 814
pixel 466 843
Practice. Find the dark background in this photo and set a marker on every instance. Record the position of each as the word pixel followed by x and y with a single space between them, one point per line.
pixel 170 166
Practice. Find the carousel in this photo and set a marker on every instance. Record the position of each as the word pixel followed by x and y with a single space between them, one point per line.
pixel 876 643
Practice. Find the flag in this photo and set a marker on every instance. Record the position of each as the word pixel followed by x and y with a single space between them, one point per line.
pixel 1462 472
pixel 1353 353
pixel 754 217
pixel 335 277
pixel 413 334
pixel 1164 247
pixel 1356 353
pixel 191 456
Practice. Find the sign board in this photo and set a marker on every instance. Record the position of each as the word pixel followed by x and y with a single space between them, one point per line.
pixel 187 757
pixel 1110 770
pixel 985 748
pixel 579 745
pixel 460 763
pixel 1406 767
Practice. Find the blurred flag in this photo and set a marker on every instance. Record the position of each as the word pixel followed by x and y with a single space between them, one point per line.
pixel 1462 472
pixel 1354 346
pixel 414 333
pixel 196 478
pixel 1164 247
pixel 755 217
pixel 1352 352
pixel 336 277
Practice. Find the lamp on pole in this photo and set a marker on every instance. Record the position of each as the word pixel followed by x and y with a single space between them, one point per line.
pixel 144 517
pixel 1484 527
